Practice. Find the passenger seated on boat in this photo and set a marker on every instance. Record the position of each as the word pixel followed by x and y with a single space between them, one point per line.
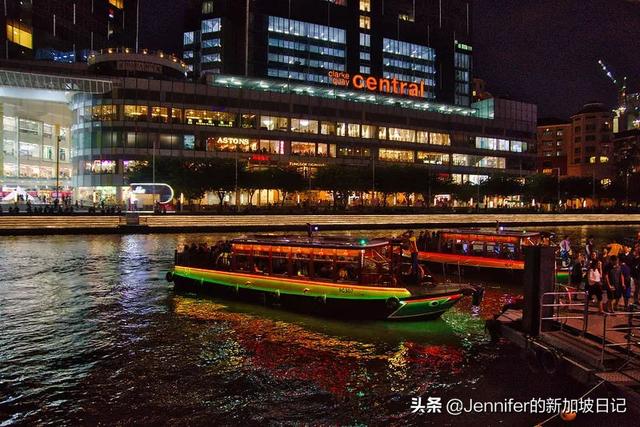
pixel 343 275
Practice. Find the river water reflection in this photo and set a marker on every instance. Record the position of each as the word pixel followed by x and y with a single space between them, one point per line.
pixel 92 333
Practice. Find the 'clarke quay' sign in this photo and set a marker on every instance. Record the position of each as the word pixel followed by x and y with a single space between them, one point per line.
pixel 375 84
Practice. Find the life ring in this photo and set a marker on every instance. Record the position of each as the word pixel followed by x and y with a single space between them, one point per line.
pixel 531 357
pixel 550 361
pixel 169 276
pixel 393 303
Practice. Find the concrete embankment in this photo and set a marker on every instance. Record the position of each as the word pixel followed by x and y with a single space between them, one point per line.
pixel 97 224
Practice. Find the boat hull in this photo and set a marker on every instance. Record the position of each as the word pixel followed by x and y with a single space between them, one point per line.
pixel 324 299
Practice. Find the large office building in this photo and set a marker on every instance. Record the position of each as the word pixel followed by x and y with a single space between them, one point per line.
pixel 65 30
pixel 153 111
pixel 426 42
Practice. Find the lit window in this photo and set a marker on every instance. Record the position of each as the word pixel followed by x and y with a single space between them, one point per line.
pixel 160 114
pixel 365 5
pixel 211 25
pixel 365 69
pixel 396 155
pixel 274 123
pixel 365 40
pixel 207 7
pixel 433 158
pixel 19 34
pixel 328 128
pixel 136 112
pixel 365 22
pixel 303 148
pixel 439 139
pixel 117 3
pixel 188 38
pixel 368 131
pixel 398 134
pixel 304 126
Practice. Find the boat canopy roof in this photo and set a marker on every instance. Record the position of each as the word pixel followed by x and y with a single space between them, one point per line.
pixel 502 236
pixel 327 242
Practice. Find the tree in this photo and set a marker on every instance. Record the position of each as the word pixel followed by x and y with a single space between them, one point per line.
pixel 541 187
pixel 184 176
pixel 501 184
pixel 219 175
pixel 342 181
pixel 287 180
pixel 575 187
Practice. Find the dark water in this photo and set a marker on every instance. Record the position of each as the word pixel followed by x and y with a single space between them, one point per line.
pixel 92 334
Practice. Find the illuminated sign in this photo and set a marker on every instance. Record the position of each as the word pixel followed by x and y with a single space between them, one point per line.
pixel 260 158
pixel 306 164
pixel 374 84
pixel 163 191
pixel 233 141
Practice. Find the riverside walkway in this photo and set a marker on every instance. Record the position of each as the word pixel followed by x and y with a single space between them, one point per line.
pixel 170 223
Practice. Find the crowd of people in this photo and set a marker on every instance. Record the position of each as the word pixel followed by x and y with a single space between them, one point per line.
pixel 611 271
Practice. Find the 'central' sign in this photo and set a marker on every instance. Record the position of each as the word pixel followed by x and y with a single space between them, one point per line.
pixel 374 84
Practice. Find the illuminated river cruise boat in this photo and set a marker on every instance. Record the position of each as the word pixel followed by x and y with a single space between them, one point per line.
pixel 489 251
pixel 333 276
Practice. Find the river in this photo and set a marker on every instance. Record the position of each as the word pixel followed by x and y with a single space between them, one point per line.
pixel 92 333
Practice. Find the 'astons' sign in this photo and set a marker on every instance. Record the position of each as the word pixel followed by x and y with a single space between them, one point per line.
pixel 375 84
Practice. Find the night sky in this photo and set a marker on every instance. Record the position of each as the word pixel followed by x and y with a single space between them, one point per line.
pixel 541 51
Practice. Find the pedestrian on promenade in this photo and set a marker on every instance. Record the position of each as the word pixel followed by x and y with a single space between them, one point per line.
pixel 594 284
pixel 565 250
pixel 614 282
pixel 626 288
pixel 590 247
pixel 614 248
pixel 576 275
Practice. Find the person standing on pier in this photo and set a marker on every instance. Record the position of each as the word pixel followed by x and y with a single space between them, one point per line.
pixel 577 275
pixel 565 250
pixel 594 284
pixel 615 283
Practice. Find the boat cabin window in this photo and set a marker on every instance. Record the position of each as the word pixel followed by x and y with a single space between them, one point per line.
pixel 323 267
pixel 330 264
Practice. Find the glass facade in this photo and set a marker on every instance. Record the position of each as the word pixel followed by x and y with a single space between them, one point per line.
pixel 304 51
pixel 410 62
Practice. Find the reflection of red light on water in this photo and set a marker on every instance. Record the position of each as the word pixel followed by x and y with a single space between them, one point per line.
pixel 337 365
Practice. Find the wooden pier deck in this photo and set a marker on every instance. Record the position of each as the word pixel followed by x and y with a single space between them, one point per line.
pixel 606 349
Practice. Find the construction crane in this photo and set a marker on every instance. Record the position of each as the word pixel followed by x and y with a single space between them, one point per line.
pixel 621 86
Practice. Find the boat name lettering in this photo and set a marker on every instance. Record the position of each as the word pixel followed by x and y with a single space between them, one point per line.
pixel 345 290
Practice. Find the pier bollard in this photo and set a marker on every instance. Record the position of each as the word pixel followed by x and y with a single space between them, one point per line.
pixel 539 272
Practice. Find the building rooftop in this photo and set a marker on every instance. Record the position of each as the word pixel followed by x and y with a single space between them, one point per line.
pixel 593 107
pixel 266 85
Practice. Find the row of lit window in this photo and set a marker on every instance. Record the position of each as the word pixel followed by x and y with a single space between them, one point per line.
pixel 32 127
pixel 299 61
pixel 462 60
pixel 411 50
pixel 429 83
pixel 500 144
pixel 212 25
pixel 398 63
pixel 30 150
pixel 271 123
pixel 307 77
pixel 307 29
pixel 10 170
pixel 211 57
pixel 306 47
